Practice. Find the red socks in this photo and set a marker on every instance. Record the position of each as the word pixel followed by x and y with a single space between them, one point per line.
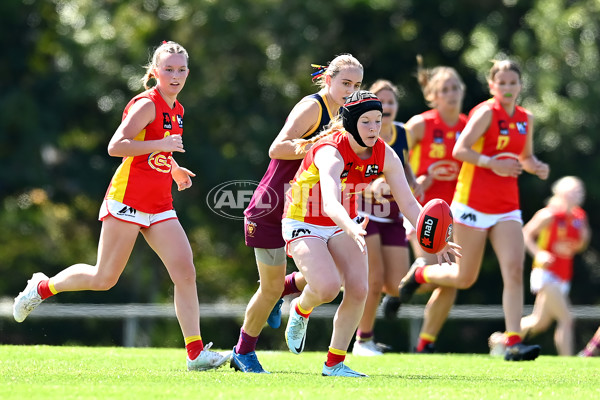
pixel 512 338
pixel 424 340
pixel 44 290
pixel 419 275
pixel 194 346
pixel 335 356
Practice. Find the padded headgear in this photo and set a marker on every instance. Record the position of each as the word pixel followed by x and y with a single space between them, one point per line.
pixel 356 105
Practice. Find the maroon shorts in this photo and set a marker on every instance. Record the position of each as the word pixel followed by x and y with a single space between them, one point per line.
pixel 391 233
pixel 263 234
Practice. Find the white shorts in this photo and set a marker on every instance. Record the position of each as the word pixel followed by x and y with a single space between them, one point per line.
pixel 470 217
pixel 293 230
pixel 125 213
pixel 541 278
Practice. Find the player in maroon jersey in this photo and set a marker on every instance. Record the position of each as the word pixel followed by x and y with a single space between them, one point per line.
pixel 342 76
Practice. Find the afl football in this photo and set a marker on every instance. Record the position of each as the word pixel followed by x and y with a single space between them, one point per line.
pixel 434 226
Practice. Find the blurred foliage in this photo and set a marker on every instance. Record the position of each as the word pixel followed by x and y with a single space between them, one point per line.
pixel 70 66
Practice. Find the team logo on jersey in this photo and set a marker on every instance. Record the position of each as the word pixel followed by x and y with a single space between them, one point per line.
pixel 179 120
pixel 250 228
pixel 160 162
pixel 503 127
pixel 360 167
pixel 438 136
pixel 346 171
pixel 372 169
pixel 444 170
pixel 167 121
pixel 522 128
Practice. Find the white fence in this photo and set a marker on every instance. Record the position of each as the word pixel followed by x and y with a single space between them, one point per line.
pixel 131 314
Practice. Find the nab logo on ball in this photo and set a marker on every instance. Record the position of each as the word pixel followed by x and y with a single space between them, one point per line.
pixel 428 231
pixel 230 199
pixel 434 226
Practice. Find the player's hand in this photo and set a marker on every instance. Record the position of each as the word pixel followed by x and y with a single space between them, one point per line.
pixel 542 170
pixel 424 181
pixel 172 143
pixel 182 177
pixel 543 258
pixel 380 189
pixel 419 192
pixel 358 234
pixel 451 249
pixel 506 167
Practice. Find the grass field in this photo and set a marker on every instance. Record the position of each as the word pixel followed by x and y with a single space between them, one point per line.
pixel 46 372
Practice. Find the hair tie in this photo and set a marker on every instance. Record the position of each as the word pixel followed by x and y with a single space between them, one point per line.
pixel 164 42
pixel 320 70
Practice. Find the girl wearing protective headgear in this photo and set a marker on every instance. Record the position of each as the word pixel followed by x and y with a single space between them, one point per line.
pixel 323 231
pixel 342 76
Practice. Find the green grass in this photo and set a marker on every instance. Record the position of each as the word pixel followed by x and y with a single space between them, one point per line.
pixel 46 372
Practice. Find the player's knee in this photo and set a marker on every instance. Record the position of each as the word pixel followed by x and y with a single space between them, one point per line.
pixel 465 281
pixel 328 292
pixel 566 321
pixel 513 276
pixel 101 283
pixel 358 291
pixel 184 276
pixel 271 291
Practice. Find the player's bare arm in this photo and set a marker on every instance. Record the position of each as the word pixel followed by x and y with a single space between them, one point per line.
pixel 301 119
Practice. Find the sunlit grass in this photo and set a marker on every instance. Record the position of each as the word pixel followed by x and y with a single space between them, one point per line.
pixel 43 372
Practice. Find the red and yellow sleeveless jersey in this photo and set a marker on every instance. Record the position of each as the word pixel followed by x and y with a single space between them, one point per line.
pixel 561 237
pixel 481 188
pixel 433 155
pixel 144 182
pixel 303 198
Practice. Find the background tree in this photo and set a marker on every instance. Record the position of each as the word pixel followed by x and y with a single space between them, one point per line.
pixel 69 67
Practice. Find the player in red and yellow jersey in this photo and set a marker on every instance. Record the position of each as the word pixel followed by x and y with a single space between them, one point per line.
pixel 144 181
pixel 342 76
pixel 495 147
pixel 139 200
pixel 553 236
pixel 323 231
pixel 432 137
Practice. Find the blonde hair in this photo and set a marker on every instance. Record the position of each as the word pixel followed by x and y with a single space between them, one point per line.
pixel 335 125
pixel 335 66
pixel 384 84
pixel 564 185
pixel 431 78
pixel 165 47
pixel 503 65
